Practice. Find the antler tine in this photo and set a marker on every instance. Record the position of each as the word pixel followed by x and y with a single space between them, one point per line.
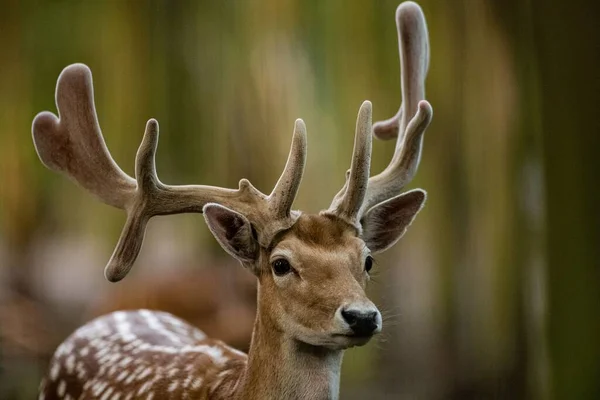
pixel 415 113
pixel 285 189
pixel 348 201
pixel 138 213
pixel 72 143
pixel 145 159
pixel 413 46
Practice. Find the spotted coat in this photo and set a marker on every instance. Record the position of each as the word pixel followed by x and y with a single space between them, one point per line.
pixel 142 355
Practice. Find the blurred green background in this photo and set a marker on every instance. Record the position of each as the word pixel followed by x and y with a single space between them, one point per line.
pixel 494 293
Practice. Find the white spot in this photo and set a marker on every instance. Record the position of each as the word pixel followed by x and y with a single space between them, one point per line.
pixel 187 381
pixel 134 374
pixel 54 370
pixel 125 361
pixel 122 375
pixel 116 396
pixel 144 388
pixel 197 383
pixel 173 386
pixel 70 363
pixel 106 394
pixel 62 388
pixel 145 373
pixel 81 373
pixel 130 379
pixel 99 387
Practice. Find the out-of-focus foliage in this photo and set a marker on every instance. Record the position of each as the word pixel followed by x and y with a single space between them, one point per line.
pixel 495 290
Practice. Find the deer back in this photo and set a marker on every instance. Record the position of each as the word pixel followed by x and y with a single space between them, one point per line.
pixel 141 355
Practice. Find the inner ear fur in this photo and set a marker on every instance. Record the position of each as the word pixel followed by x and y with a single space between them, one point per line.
pixel 387 221
pixel 233 231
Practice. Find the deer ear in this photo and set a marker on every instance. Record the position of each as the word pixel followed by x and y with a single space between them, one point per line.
pixel 386 222
pixel 233 231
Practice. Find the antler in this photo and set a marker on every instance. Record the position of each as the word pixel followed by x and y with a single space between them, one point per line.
pixel 348 202
pixel 408 126
pixel 73 144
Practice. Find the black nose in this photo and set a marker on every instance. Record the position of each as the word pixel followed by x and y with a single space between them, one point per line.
pixel 362 323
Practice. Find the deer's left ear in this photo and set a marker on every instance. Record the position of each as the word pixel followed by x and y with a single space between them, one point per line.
pixel 386 222
pixel 232 230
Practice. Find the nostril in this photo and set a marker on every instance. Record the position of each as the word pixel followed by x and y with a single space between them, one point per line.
pixel 350 316
pixel 371 316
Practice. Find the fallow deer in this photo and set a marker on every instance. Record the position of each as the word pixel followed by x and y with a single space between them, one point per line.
pixel 312 269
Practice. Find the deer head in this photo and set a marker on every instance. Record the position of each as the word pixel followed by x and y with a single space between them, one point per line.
pixel 312 268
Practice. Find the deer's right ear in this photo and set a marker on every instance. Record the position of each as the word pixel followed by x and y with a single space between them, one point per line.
pixel 233 231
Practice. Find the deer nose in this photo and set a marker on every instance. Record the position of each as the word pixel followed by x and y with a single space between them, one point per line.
pixel 362 323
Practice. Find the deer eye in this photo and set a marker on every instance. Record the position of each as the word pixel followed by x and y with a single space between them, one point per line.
pixel 368 263
pixel 281 267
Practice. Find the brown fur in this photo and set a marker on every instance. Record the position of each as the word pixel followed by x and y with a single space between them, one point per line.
pixel 144 354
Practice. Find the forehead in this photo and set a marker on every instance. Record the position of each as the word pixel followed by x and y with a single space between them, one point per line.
pixel 321 231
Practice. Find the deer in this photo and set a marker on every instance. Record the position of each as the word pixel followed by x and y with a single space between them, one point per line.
pixel 312 269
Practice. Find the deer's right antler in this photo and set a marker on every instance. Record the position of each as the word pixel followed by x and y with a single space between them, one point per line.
pixel 72 144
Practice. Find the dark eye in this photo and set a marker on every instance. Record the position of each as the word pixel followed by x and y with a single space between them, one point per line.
pixel 281 267
pixel 368 263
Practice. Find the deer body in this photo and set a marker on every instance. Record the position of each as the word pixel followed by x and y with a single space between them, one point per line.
pixel 141 355
pixel 312 269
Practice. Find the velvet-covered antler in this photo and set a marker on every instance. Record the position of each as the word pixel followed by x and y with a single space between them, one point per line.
pixel 73 144
pixel 408 126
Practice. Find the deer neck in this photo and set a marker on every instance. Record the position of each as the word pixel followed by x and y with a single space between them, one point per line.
pixel 280 367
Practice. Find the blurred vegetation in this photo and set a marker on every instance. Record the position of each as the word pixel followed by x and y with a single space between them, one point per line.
pixel 495 290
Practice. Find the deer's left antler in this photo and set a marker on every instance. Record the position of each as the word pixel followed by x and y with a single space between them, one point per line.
pixel 361 193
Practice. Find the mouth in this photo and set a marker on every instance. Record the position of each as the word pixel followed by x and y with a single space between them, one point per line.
pixel 355 335
pixel 353 339
pixel 338 340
